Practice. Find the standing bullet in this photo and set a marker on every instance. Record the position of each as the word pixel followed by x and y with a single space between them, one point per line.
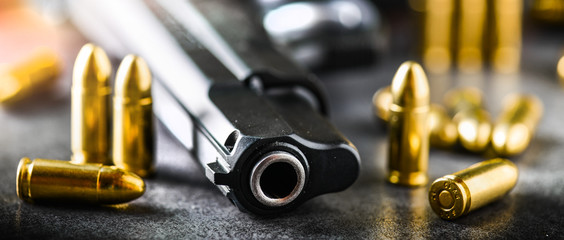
pixel 133 146
pixel 457 194
pixel 409 133
pixel 516 124
pixel 471 31
pixel 90 109
pixel 442 131
pixel 22 80
pixel 471 120
pixel 437 54
pixel 44 180
pixel 506 49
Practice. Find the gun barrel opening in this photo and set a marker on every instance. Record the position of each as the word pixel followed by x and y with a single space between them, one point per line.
pixel 277 179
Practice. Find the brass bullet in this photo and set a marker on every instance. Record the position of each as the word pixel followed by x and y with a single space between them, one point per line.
pixel 471 29
pixel 442 131
pixel 381 102
pixel 33 75
pixel 409 134
pixel 43 180
pixel 437 54
pixel 89 111
pixel 516 124
pixel 133 146
pixel 457 194
pixel 471 120
pixel 560 70
pixel 506 50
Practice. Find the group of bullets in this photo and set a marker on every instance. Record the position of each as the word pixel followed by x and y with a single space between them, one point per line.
pixel 466 31
pixel 89 176
pixel 415 125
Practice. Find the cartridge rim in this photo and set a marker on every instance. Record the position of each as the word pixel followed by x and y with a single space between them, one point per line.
pixel 22 179
pixel 449 197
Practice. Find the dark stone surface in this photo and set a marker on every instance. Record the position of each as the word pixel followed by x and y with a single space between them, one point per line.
pixel 181 203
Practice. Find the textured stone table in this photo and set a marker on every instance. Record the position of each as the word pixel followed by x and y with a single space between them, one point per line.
pixel 181 203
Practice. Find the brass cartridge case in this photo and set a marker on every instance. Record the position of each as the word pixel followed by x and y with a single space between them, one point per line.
pixel 516 124
pixel 33 75
pixel 442 131
pixel 472 121
pixel 506 50
pixel 90 96
pixel 44 180
pixel 133 144
pixel 560 70
pixel 381 102
pixel 457 194
pixel 471 29
pixel 409 133
pixel 437 35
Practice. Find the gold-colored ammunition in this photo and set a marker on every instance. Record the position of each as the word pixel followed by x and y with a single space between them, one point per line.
pixel 381 102
pixel 62 181
pixel 90 109
pixel 516 125
pixel 409 132
pixel 457 194
pixel 548 11
pixel 471 120
pixel 506 52
pixel 437 54
pixel 35 74
pixel 470 36
pixel 133 146
pixel 442 130
pixel 560 70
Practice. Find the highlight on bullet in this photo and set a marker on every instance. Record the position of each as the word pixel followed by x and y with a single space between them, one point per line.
pixel 56 181
pixel 381 102
pixel 90 98
pixel 133 137
pixel 457 194
pixel 409 133
pixel 442 130
pixel 472 121
pixel 33 75
pixel 516 124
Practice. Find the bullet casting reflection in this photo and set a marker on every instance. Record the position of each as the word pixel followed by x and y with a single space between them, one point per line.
pixel 457 194
pixel 35 74
pixel 89 110
pixel 516 124
pixel 133 146
pixel 62 181
pixel 409 132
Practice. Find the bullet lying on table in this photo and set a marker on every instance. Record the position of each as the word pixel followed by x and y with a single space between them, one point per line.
pixel 57 181
pixel 516 124
pixel 408 154
pixel 33 75
pixel 471 120
pixel 457 194
pixel 90 98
